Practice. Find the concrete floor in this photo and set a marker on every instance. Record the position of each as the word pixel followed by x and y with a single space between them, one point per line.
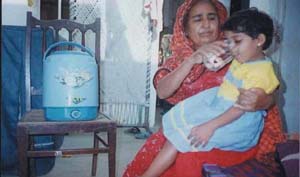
pixel 80 165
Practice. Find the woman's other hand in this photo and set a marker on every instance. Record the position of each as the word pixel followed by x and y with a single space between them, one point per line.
pixel 254 99
pixel 201 134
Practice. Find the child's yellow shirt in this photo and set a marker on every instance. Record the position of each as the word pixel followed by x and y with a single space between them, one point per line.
pixel 248 75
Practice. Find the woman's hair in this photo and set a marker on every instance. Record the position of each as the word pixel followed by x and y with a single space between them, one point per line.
pixel 193 3
pixel 251 22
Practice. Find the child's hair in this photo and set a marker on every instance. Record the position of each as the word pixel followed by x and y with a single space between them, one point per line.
pixel 251 22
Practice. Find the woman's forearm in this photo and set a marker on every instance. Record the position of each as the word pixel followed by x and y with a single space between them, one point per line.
pixel 266 101
pixel 254 99
pixel 170 83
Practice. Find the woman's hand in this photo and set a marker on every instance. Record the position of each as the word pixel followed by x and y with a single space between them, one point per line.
pixel 201 134
pixel 206 51
pixel 254 99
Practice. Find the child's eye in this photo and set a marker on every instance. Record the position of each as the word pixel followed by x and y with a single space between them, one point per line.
pixel 237 41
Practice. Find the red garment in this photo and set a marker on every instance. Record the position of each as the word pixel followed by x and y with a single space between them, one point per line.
pixel 190 164
pixel 186 164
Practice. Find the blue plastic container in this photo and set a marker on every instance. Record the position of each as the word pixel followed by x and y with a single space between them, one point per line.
pixel 70 78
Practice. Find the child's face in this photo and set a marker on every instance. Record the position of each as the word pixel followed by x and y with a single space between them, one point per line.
pixel 246 48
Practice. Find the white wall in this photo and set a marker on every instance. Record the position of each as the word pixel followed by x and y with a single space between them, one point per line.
pixel 128 49
pixel 13 12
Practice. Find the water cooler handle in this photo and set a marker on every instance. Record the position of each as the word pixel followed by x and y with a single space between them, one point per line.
pixel 67 43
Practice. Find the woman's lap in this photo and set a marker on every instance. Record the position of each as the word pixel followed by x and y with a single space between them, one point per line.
pixel 186 164
pixel 189 164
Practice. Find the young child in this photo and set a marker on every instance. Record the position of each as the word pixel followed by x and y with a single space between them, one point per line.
pixel 211 119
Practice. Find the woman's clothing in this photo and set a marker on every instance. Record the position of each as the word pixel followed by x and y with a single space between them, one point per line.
pixel 186 164
pixel 190 164
pixel 241 134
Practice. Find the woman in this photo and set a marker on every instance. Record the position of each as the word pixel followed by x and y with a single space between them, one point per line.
pixel 196 35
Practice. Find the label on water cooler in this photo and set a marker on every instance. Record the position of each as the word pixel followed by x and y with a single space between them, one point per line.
pixel 75 114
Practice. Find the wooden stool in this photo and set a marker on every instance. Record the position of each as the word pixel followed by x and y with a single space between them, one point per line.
pixel 33 124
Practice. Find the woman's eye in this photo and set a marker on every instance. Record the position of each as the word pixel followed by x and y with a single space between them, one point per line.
pixel 197 19
pixel 212 18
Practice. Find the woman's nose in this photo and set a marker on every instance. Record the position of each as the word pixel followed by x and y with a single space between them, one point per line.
pixel 205 23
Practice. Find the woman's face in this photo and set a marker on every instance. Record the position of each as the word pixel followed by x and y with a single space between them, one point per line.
pixel 203 24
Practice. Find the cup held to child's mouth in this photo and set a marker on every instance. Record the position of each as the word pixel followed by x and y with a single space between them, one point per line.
pixel 215 63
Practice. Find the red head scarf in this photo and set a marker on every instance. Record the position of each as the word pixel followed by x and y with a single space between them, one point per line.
pixel 182 48
pixel 181 45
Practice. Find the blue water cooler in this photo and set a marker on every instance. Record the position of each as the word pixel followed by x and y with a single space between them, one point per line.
pixel 70 78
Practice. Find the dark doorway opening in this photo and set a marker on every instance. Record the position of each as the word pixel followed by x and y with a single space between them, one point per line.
pixel 49 9
pixel 236 5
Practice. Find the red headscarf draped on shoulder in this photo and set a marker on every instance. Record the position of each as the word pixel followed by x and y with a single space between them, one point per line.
pixel 182 48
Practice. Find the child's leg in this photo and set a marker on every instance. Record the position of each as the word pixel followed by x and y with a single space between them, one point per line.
pixel 162 161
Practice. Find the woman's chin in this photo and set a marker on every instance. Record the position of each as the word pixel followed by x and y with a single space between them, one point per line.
pixel 204 41
pixel 208 39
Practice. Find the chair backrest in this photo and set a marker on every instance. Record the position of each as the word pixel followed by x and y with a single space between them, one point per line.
pixel 54 26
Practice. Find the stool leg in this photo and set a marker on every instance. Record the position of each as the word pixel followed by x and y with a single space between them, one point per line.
pixel 95 156
pixel 112 151
pixel 22 141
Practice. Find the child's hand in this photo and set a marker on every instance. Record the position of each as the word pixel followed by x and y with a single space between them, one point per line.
pixel 201 134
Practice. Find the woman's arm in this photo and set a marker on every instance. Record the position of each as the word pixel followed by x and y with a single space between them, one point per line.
pixel 171 82
pixel 201 134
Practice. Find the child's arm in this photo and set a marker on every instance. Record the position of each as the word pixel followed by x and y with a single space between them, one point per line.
pixel 201 134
